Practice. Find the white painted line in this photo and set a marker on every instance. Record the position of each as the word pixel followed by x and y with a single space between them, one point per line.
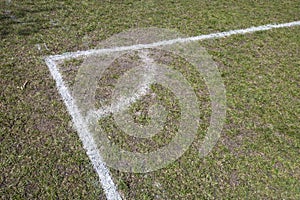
pixel 88 142
pixel 77 54
pixel 82 129
pixel 125 102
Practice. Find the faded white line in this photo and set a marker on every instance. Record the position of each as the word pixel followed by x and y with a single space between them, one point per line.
pixel 88 142
pixel 77 54
pixel 124 102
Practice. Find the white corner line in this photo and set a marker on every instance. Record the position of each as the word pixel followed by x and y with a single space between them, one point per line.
pixel 77 54
pixel 89 144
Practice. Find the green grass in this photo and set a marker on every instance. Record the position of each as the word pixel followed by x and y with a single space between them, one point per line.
pixel 258 154
pixel 256 157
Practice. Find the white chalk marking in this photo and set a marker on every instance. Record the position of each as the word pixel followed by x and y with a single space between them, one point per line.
pixel 84 134
pixel 70 55
pixel 124 102
pixel 82 129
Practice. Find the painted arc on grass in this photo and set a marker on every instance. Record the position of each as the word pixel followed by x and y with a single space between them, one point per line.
pixel 133 84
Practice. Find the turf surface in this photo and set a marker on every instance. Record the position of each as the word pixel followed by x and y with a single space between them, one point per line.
pixel 258 154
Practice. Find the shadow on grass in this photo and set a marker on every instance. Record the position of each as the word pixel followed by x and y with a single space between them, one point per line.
pixel 24 18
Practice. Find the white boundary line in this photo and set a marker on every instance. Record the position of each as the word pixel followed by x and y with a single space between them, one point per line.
pixel 84 134
pixel 70 55
pixel 107 183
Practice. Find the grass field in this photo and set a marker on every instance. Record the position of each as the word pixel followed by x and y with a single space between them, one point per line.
pixel 257 156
